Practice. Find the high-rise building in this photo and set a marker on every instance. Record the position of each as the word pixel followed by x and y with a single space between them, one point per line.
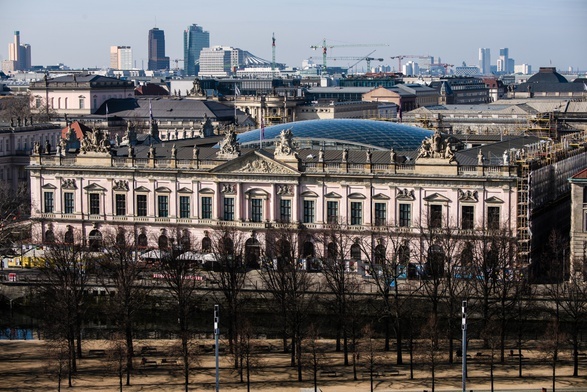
pixel 121 57
pixel 504 63
pixel 484 61
pixel 157 58
pixel 220 61
pixel 19 56
pixel 194 40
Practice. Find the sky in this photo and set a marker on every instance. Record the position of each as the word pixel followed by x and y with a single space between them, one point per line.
pixel 79 33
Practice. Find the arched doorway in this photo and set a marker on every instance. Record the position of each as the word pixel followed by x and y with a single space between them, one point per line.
pixel 68 238
pixel 435 263
pixel 206 245
pixel 49 237
pixel 142 241
pixel 332 251
pixel 163 242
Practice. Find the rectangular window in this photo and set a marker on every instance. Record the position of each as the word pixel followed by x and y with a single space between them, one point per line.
pixel 380 214
pixel 435 218
pixel 184 206
pixel 493 218
pixel 331 212
pixel 206 207
pixel 285 210
pixel 120 204
pixel 141 205
pixel 228 209
pixel 309 215
pixel 356 213
pixel 94 204
pixel 467 217
pixel 162 206
pixel 256 210
pixel 82 103
pixel 405 215
pixel 68 206
pixel 48 202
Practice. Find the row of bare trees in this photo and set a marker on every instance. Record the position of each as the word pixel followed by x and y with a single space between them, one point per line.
pixel 401 283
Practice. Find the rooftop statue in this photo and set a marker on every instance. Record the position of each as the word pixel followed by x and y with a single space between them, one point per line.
pixel 285 145
pixel 229 145
pixel 95 140
pixel 437 146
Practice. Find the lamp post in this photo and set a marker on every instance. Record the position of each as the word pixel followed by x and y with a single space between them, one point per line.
pixel 464 345
pixel 216 338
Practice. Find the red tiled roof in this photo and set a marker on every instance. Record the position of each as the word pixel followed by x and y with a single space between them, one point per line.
pixel 79 129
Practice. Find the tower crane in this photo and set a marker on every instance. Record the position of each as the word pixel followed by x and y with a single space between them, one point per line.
pixel 400 57
pixel 358 58
pixel 325 48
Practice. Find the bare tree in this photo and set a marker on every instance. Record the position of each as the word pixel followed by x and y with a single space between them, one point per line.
pixel 551 344
pixel 246 353
pixel 63 288
pixel 229 271
pixel 368 350
pixel 313 357
pixel 14 209
pixel 117 355
pixel 121 272
pixel 182 280
pixel 57 364
pixel 291 286
pixel 341 249
pixel 430 345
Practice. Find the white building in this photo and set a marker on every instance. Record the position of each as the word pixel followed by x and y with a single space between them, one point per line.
pixel 121 57
pixel 219 61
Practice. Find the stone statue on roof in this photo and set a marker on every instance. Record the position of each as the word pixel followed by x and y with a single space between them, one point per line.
pixel 285 145
pixel 229 146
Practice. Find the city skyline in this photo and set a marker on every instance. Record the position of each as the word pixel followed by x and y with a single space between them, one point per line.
pixel 454 31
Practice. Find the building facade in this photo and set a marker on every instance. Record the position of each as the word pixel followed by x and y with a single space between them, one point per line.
pixel 194 40
pixel 77 94
pixel 157 59
pixel 169 193
pixel 121 57
pixel 16 144
pixel 578 243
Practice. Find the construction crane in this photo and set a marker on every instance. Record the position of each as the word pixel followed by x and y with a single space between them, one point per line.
pixel 359 59
pixel 443 65
pixel 273 56
pixel 400 57
pixel 177 63
pixel 325 48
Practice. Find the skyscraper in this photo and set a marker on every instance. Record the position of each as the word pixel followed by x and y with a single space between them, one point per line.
pixel 194 40
pixel 19 55
pixel 504 63
pixel 121 57
pixel 157 58
pixel 484 61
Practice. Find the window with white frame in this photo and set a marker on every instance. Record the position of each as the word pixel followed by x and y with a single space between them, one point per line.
pixel 356 213
pixel 48 201
pixel 285 210
pixel 68 203
pixel 94 204
pixel 163 206
pixel 206 203
pixel 184 207
pixel 256 210
pixel 120 204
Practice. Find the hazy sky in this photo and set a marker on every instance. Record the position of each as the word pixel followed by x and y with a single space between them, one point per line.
pixel 79 33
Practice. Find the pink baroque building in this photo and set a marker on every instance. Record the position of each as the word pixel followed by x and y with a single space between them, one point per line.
pixel 365 177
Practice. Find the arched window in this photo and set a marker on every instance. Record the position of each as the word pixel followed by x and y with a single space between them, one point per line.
pixel 332 251
pixel 185 241
pixel 95 240
pixel 142 241
pixel 121 238
pixel 309 250
pixel 283 253
pixel 252 253
pixel 435 265
pixel 403 255
pixel 466 257
pixel 68 238
pixel 355 252
pixel 49 237
pixel 206 245
pixel 163 242
pixel 380 254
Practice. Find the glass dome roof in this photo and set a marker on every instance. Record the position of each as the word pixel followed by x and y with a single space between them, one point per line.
pixel 343 133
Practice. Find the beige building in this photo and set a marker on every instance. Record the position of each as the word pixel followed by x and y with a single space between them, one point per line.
pixel 578 245
pixel 78 94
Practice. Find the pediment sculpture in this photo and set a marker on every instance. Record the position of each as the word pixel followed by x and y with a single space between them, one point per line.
pixel 437 147
pixel 229 147
pixel 285 145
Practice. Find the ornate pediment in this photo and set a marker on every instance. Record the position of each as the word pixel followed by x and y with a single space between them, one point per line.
pixel 468 196
pixel 142 189
pixel 185 190
pixel 49 186
pixel 255 164
pixel 405 194
pixel 437 198
pixel 93 187
pixel 380 196
pixel 494 200
pixel 163 189
pixel 332 195
pixel 359 196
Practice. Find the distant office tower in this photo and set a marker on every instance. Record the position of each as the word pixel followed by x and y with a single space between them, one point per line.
pixel 525 69
pixel 411 68
pixel 157 58
pixel 220 61
pixel 484 61
pixel 194 40
pixel 503 61
pixel 19 56
pixel 121 57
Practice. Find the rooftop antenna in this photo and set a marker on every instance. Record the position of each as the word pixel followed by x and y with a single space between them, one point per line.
pixel 155 21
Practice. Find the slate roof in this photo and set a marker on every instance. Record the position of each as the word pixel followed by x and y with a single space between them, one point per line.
pixel 167 108
pixel 493 152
